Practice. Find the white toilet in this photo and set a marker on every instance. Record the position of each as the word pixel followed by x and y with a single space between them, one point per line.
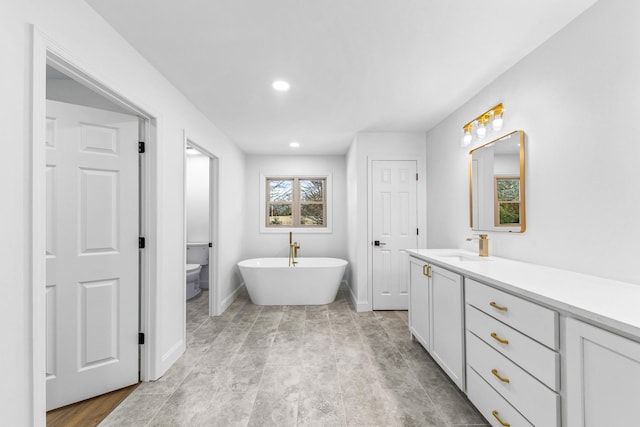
pixel 197 257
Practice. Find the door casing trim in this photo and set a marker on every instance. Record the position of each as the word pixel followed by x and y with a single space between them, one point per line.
pixel 46 51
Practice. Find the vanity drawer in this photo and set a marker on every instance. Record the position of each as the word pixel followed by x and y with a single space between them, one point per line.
pixel 536 321
pixel 528 395
pixel 490 404
pixel 540 361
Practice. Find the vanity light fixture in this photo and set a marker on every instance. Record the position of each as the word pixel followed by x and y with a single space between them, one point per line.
pixel 490 120
pixel 280 85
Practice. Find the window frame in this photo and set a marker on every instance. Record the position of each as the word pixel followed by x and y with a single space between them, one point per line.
pixel 296 204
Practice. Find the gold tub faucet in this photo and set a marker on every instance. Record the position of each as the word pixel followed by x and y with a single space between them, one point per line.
pixel 293 250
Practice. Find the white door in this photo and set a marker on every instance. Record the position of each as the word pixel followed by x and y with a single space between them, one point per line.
pixel 92 252
pixel 394 230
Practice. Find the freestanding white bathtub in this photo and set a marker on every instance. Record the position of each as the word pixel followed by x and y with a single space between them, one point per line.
pixel 313 281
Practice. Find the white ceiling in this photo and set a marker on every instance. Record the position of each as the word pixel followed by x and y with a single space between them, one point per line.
pixel 353 65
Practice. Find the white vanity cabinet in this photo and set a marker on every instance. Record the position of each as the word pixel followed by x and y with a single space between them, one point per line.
pixel 512 358
pixel 602 377
pixel 436 315
pixel 543 346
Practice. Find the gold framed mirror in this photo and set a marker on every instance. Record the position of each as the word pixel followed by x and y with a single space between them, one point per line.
pixel 496 185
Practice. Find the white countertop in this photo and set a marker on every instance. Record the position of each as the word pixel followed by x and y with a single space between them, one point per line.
pixel 608 303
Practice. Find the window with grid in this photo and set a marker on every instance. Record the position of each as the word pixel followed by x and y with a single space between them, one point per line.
pixel 296 202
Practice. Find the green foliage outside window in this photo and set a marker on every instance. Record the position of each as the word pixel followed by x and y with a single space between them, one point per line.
pixel 508 200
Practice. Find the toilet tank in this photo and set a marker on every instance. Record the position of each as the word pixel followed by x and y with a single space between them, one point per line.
pixel 198 253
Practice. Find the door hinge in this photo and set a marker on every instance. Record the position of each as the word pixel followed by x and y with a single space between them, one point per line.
pixel 141 243
pixel 210 244
pixel 417 231
pixel 140 337
pixel 416 177
pixel 141 147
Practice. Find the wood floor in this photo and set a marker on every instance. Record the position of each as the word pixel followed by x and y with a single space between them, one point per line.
pixel 88 412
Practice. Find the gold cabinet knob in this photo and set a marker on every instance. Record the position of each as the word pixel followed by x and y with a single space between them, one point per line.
pixel 498 376
pixel 497 338
pixel 426 270
pixel 497 307
pixel 497 417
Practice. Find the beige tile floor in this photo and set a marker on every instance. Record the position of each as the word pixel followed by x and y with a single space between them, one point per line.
pixel 298 366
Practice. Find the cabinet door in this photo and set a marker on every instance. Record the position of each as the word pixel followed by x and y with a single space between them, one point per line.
pixel 603 377
pixel 419 322
pixel 447 330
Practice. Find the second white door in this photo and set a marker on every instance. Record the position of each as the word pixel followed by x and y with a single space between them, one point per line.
pixel 394 230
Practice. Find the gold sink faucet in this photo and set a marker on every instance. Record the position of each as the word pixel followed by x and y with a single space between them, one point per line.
pixel 293 250
pixel 483 244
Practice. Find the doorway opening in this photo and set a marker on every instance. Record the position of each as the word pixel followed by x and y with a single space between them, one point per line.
pixel 96 188
pixel 200 224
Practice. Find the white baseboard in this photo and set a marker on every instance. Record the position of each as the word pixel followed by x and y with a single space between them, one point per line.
pixel 359 305
pixel 231 298
pixel 363 306
pixel 171 356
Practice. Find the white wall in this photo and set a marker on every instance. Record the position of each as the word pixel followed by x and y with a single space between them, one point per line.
pixel 357 258
pixel 15 296
pixel 368 146
pixel 577 98
pixel 84 36
pixel 259 244
pixel 197 197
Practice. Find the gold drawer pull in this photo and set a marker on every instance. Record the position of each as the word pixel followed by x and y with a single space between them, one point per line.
pixel 497 307
pixel 497 375
pixel 497 338
pixel 426 270
pixel 495 414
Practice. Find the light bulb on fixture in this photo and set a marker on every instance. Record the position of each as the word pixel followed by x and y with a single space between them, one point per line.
pixel 481 130
pixel 497 121
pixel 466 136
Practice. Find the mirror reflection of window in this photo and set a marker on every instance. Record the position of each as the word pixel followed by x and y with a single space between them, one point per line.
pixel 507 201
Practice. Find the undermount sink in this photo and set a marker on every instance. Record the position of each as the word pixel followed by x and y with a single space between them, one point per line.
pixel 466 258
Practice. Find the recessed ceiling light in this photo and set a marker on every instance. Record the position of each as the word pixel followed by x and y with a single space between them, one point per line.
pixel 294 144
pixel 280 85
